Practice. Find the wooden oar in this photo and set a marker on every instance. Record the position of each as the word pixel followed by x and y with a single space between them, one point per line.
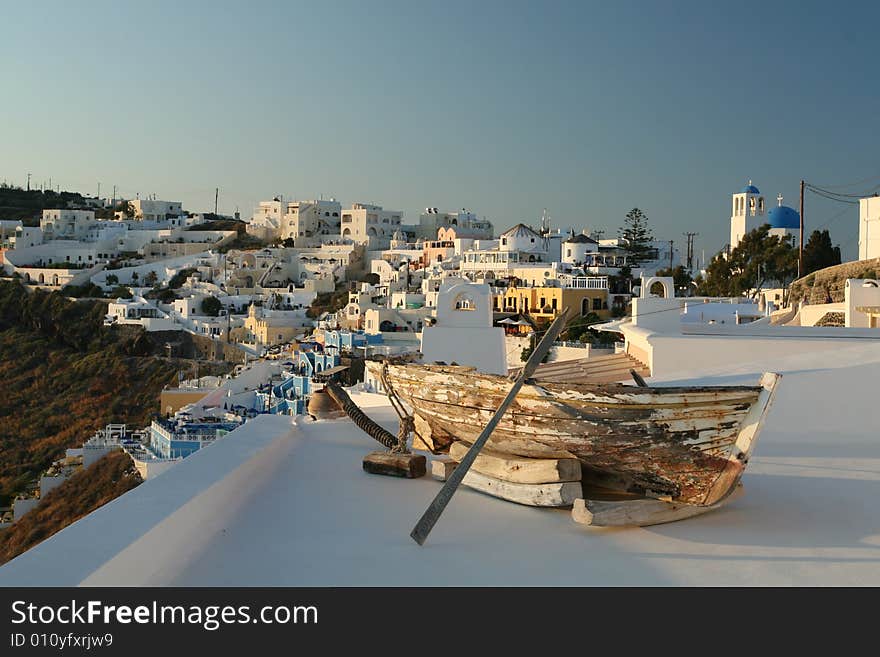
pixel 432 513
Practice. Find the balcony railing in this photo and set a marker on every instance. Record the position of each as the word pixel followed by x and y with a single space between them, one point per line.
pixel 586 282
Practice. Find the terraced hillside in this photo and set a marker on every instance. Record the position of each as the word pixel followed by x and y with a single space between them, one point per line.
pixel 85 491
pixel 827 285
pixel 64 376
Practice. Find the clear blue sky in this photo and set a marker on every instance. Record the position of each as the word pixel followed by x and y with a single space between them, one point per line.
pixel 587 109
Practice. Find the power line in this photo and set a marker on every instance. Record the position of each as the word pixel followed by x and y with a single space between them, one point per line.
pixel 860 182
pixel 830 221
pixel 829 196
pixel 830 193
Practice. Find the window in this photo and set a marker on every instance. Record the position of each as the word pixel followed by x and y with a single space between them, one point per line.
pixel 464 301
pixel 597 304
pixel 504 241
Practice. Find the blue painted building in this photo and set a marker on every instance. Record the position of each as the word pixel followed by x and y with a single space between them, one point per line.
pixel 340 341
pixel 290 397
pixel 171 440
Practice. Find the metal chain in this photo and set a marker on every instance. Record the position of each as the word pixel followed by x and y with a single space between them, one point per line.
pixel 407 421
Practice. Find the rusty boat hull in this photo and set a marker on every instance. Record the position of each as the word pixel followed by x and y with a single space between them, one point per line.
pixel 683 444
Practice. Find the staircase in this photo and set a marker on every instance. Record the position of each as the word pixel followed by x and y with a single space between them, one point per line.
pixel 600 369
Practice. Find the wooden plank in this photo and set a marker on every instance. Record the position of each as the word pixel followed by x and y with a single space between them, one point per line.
pixel 638 513
pixel 395 464
pixel 442 467
pixel 520 470
pixel 746 440
pixel 693 459
pixel 556 494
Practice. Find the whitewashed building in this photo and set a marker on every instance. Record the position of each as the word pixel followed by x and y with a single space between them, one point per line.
pixel 67 224
pixel 576 248
pixel 152 210
pixel 869 228
pixel 465 222
pixel 370 225
pixel 463 331
pixel 266 220
pixel 309 223
pixel 747 213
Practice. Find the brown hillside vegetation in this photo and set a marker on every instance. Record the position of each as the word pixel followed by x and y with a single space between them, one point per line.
pixel 65 376
pixel 828 285
pixel 26 206
pixel 86 490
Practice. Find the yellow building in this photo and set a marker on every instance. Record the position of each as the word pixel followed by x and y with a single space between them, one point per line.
pixel 266 328
pixel 544 303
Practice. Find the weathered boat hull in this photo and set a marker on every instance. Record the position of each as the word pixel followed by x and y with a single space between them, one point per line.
pixel 688 445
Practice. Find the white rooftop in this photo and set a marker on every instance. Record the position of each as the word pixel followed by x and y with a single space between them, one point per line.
pixel 274 504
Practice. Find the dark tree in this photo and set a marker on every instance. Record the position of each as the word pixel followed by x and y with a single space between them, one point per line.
pixel 120 292
pixel 578 329
pixel 680 276
pixel 211 306
pixel 621 283
pixel 759 258
pixel 636 236
pixel 819 252
pixel 128 209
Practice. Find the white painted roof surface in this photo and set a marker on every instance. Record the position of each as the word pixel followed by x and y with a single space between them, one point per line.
pixel 270 504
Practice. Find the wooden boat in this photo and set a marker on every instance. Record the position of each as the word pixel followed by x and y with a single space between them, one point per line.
pixel 688 445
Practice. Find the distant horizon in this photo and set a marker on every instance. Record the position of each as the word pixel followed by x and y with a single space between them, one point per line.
pixel 504 108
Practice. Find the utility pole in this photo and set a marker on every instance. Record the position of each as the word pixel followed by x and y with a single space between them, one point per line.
pixel 801 249
pixel 99 189
pixel 29 182
pixel 216 197
pixel 690 250
pixel 114 195
pixel 670 253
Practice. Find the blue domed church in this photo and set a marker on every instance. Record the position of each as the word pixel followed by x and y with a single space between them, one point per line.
pixel 784 222
pixel 748 212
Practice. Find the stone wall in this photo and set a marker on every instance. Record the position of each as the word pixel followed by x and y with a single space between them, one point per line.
pixel 827 285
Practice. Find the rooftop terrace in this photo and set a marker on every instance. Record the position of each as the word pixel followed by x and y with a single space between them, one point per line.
pixel 277 504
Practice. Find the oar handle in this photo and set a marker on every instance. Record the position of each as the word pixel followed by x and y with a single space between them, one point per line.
pixel 432 514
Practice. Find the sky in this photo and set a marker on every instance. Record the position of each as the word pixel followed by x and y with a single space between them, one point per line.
pixel 587 109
